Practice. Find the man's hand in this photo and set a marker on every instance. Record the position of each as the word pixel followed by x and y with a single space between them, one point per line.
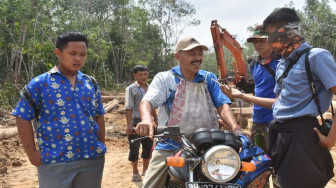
pixel 26 135
pixel 129 128
pixel 145 128
pixel 238 132
pixel 324 141
pixel 231 92
pixel 35 158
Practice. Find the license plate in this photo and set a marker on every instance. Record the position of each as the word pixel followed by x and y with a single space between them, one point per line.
pixel 211 185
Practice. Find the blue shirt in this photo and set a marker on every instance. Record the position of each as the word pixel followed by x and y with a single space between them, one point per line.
pixel 295 96
pixel 263 87
pixel 67 130
pixel 161 92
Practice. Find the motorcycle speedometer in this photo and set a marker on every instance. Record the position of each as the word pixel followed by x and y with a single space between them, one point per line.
pixel 221 163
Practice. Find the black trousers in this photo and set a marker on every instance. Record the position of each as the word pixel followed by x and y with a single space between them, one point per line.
pixel 297 158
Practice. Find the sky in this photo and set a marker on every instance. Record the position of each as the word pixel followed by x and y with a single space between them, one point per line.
pixel 233 15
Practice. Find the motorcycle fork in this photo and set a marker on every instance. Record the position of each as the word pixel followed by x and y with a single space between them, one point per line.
pixel 191 170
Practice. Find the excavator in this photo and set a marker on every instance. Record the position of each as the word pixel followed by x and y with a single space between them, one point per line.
pixel 222 38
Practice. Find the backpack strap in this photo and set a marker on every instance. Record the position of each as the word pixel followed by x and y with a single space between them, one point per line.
pixel 93 81
pixel 332 109
pixel 312 85
pixel 292 60
pixel 266 66
pixel 25 94
pixel 313 88
pixel 270 70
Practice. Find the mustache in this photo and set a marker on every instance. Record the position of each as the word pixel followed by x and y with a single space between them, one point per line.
pixel 196 61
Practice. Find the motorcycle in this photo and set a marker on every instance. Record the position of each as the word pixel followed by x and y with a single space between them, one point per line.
pixel 208 159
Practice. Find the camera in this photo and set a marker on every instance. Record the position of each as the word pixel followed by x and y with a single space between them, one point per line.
pixel 325 127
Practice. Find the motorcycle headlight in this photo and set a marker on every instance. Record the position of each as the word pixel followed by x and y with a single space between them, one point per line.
pixel 221 164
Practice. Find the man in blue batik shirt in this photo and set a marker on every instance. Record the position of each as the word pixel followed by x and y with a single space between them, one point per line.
pixel 71 129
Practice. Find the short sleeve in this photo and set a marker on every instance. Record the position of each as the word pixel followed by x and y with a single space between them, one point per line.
pixel 157 90
pixel 100 110
pixel 218 97
pixel 323 66
pixel 23 108
pixel 129 105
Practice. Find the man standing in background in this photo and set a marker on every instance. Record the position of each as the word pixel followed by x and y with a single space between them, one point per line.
pixel 263 73
pixel 134 94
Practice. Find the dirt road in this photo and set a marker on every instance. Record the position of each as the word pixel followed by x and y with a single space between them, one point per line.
pixel 117 171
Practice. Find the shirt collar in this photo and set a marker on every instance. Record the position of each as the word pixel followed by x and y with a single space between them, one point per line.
pixel 55 70
pixel 138 85
pixel 302 47
pixel 177 70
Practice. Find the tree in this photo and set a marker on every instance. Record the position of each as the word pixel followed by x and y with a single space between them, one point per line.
pixel 172 16
pixel 319 24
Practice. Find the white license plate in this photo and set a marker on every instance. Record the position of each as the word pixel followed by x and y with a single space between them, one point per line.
pixel 211 185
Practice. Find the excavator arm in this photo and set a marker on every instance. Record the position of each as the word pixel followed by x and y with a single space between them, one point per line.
pixel 222 38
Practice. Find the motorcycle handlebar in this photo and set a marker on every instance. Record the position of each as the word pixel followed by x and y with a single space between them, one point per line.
pixel 163 129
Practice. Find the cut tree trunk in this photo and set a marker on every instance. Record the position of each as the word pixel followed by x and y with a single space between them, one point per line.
pixel 111 105
pixel 108 98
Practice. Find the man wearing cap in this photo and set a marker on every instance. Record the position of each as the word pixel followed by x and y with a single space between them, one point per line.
pixel 263 72
pixel 186 97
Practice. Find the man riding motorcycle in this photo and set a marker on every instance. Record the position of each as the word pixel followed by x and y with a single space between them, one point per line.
pixel 186 97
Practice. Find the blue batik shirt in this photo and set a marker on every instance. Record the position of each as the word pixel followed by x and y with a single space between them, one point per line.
pixel 67 130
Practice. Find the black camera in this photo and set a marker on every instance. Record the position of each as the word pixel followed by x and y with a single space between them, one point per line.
pixel 325 128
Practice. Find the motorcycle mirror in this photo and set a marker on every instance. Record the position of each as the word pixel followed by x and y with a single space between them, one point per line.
pixel 248 167
pixel 175 161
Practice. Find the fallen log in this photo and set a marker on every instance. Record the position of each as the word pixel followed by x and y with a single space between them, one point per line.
pixel 8 132
pixel 108 104
pixel 108 98
pixel 113 104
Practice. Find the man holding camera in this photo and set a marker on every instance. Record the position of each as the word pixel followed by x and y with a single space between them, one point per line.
pixel 299 151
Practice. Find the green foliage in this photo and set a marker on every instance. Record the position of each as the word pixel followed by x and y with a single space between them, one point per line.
pixel 7 98
pixel 319 24
pixel 210 61
pixel 121 33
pixel 172 17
